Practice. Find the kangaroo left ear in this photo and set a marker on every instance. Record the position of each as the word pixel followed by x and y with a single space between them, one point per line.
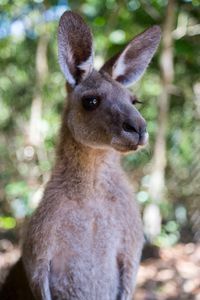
pixel 75 48
pixel 129 65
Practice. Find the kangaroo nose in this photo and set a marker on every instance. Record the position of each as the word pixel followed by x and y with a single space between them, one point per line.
pixel 128 127
pixel 137 126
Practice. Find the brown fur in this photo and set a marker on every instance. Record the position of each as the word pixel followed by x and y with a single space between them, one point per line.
pixel 86 228
pixel 85 239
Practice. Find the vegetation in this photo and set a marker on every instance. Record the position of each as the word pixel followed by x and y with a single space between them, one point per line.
pixel 32 91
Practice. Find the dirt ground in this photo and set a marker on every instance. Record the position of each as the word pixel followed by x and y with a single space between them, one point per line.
pixel 173 275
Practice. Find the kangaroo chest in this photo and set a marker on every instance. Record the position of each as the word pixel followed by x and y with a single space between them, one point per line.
pixel 83 250
pixel 90 227
pixel 90 236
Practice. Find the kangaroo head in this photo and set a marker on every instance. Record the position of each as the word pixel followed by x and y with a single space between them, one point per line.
pixel 101 111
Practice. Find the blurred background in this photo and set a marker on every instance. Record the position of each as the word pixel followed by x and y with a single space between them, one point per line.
pixel 166 175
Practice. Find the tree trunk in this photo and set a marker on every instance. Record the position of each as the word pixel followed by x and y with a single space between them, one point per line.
pixel 35 137
pixel 152 216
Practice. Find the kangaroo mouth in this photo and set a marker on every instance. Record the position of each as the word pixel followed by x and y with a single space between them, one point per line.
pixel 122 147
pixel 129 143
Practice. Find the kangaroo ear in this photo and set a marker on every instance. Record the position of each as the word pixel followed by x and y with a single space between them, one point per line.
pixel 129 65
pixel 75 51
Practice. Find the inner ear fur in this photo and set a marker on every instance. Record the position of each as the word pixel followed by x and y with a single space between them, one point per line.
pixel 129 65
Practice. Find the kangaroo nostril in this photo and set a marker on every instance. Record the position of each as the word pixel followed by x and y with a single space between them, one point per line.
pixel 128 127
pixel 143 130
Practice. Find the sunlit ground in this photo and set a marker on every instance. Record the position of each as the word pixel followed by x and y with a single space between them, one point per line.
pixel 174 275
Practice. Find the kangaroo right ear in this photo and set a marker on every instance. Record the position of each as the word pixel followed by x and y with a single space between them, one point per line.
pixel 129 65
pixel 75 50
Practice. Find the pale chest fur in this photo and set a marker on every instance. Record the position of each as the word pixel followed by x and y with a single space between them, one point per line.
pixel 87 240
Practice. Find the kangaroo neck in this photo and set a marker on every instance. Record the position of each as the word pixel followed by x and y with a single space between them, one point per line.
pixel 80 168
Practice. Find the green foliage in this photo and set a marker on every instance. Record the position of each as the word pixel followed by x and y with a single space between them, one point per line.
pixel 7 223
pixel 24 168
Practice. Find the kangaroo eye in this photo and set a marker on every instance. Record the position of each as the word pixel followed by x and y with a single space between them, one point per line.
pixel 135 100
pixel 90 102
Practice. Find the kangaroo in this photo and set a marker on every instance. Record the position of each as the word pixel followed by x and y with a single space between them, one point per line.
pixel 85 239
